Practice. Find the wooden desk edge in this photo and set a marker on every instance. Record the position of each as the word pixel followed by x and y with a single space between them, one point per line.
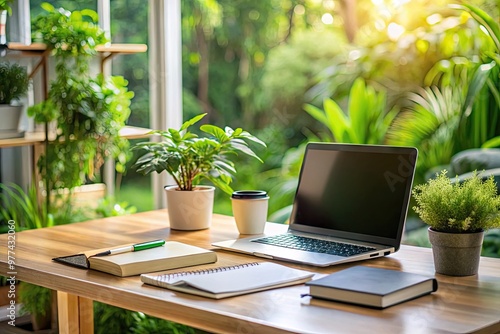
pixel 175 309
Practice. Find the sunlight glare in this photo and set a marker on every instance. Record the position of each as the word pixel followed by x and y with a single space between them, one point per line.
pixel 394 31
pixel 329 5
pixel 380 25
pixel 434 18
pixel 354 54
pixel 399 3
pixel 327 18
pixel 299 10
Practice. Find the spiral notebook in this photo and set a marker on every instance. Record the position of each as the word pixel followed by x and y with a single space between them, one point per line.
pixel 223 282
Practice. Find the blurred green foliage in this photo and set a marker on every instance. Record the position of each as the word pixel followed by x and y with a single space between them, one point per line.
pixel 256 63
pixel 111 319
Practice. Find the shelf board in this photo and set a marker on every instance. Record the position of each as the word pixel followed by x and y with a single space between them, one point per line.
pixel 33 47
pixel 122 48
pixel 106 48
pixel 35 138
pixel 28 139
pixel 134 132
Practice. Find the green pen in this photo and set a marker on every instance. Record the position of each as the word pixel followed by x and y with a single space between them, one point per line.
pixel 133 248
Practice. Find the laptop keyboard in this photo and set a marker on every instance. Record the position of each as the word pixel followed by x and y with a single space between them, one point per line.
pixel 314 245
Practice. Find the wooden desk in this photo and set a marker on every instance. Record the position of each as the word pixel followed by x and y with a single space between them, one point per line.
pixel 462 304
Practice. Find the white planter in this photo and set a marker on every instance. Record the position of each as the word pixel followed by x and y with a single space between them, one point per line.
pixel 10 116
pixel 3 24
pixel 190 210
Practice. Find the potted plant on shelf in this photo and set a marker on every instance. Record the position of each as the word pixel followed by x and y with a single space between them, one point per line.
pixel 14 83
pixel 457 213
pixel 5 10
pixel 87 111
pixel 189 159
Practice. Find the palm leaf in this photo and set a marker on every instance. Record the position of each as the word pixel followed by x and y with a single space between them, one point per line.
pixel 485 20
pixel 337 121
pixel 477 83
pixel 359 98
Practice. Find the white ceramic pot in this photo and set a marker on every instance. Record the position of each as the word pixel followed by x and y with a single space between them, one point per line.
pixel 3 24
pixel 190 210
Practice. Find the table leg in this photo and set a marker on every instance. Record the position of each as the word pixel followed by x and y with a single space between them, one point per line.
pixel 76 314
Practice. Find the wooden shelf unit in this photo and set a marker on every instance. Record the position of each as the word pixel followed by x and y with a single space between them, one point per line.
pixel 35 138
pixel 106 52
pixel 41 53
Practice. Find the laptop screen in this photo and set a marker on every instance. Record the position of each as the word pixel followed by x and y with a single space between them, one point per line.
pixel 352 191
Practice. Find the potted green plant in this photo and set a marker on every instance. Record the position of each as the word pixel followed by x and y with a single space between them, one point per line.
pixel 14 83
pixel 37 301
pixel 87 111
pixel 458 213
pixel 189 159
pixel 5 10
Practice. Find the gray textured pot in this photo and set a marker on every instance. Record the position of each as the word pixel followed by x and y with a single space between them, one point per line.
pixel 456 254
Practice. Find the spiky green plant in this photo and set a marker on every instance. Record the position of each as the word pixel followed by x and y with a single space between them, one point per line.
pixel 483 98
pixel 24 207
pixel 448 205
pixel 14 82
pixel 365 122
pixel 459 108
pixel 429 123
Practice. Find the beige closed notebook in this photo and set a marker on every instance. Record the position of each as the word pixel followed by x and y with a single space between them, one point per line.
pixel 171 255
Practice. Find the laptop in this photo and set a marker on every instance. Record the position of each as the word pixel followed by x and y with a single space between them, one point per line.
pixel 350 204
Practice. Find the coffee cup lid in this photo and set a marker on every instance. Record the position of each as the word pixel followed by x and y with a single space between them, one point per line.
pixel 249 194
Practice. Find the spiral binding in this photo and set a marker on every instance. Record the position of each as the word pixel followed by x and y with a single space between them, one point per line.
pixel 167 277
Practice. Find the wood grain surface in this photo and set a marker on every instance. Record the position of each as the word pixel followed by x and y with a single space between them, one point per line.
pixel 461 304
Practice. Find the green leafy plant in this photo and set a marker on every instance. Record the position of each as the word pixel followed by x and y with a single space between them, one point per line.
pixel 190 158
pixel 491 243
pixel 365 122
pixel 112 319
pixel 24 208
pixel 448 205
pixel 89 111
pixel 459 108
pixel 109 207
pixel 6 5
pixel 69 34
pixel 14 82
pixel 483 98
pixel 430 122
pixel 145 324
pixel 36 300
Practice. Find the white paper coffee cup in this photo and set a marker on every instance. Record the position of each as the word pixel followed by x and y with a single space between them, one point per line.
pixel 250 210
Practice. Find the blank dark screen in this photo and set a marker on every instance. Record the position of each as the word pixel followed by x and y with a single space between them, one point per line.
pixel 356 192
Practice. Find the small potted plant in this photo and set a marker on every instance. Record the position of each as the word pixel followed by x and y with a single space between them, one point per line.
pixel 189 159
pixel 458 213
pixel 5 9
pixel 14 83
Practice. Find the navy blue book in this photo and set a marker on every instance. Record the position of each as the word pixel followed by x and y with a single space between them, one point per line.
pixel 373 287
